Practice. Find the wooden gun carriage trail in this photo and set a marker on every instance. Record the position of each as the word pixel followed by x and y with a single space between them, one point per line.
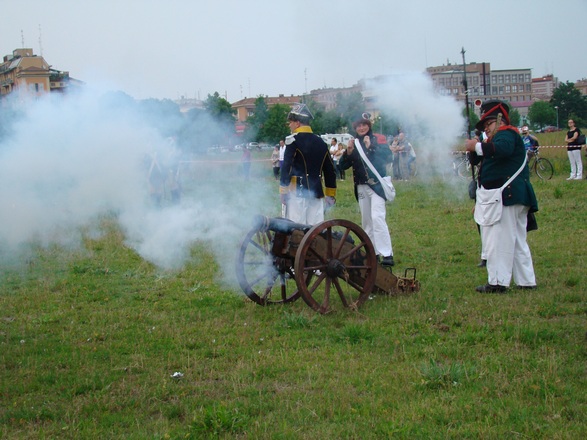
pixel 280 261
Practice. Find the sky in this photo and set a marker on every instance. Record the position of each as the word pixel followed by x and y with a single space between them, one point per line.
pixel 191 48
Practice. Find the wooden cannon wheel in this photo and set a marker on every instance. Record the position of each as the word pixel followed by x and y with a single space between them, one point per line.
pixel 265 278
pixel 342 259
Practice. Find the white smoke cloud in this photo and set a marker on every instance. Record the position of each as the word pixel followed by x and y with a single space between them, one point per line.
pixel 68 161
pixel 433 123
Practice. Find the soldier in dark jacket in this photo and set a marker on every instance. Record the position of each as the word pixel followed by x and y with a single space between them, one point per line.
pixel 368 190
pixel 501 155
pixel 306 161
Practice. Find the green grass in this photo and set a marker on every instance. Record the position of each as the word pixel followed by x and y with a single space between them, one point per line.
pixel 90 339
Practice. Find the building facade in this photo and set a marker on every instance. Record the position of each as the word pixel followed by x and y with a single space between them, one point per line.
pixel 24 74
pixel 246 107
pixel 512 85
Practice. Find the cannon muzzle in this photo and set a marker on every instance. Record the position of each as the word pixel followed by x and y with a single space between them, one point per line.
pixel 276 224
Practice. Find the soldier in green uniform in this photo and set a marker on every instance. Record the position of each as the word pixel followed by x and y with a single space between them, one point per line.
pixel 501 155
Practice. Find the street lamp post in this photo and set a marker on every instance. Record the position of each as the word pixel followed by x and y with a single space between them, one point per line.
pixel 556 107
pixel 381 124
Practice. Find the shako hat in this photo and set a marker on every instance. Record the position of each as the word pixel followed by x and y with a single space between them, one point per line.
pixel 300 113
pixel 491 109
pixel 364 118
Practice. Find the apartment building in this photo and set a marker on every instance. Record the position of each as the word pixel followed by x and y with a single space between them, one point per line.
pixel 582 86
pixel 512 85
pixel 246 106
pixel 25 74
pixel 543 87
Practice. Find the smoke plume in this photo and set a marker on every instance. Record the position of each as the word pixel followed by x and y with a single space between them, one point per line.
pixel 65 162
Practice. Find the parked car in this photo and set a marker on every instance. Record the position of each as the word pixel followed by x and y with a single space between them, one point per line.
pixel 253 145
pixel 548 129
pixel 551 128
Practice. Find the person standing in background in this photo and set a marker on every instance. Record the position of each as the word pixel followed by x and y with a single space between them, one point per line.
pixel 338 154
pixel 275 162
pixel 333 149
pixel 281 151
pixel 398 147
pixel 574 152
pixel 246 160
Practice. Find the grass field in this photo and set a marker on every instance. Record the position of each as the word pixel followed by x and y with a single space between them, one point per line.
pixel 90 338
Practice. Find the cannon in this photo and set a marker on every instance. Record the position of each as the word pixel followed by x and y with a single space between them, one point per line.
pixel 280 261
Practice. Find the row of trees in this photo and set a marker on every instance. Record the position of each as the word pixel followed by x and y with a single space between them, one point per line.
pixel 270 124
pixel 566 103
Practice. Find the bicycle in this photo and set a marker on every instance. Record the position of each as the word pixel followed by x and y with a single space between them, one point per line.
pixel 461 166
pixel 540 165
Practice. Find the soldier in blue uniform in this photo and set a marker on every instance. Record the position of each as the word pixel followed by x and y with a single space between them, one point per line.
pixel 501 155
pixel 306 162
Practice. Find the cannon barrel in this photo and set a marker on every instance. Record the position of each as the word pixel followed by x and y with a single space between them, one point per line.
pixel 277 224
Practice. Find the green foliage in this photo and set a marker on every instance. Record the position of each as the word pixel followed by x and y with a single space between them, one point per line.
pixel 473 118
pixel 220 109
pixel 275 127
pixel 256 121
pixel 215 420
pixel 349 107
pixel 515 117
pixel 571 104
pixel 541 114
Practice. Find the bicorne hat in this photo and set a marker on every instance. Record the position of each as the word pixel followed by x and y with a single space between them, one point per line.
pixel 300 113
pixel 491 109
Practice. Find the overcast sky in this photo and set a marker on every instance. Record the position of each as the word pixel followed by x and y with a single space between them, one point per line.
pixel 246 48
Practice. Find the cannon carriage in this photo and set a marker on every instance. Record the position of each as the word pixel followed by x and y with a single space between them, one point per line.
pixel 280 261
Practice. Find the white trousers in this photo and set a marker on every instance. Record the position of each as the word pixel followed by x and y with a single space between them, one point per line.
pixel 305 210
pixel 576 164
pixel 507 251
pixel 373 219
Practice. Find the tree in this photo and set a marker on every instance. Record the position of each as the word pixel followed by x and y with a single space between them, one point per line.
pixel 570 103
pixel 331 122
pixel 256 121
pixel 275 127
pixel 515 117
pixel 541 113
pixel 473 118
pixel 219 119
pixel 349 107
pixel 220 109
pixel 163 115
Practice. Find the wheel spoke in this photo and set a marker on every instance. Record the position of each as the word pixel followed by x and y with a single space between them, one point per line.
pixel 340 292
pixel 342 242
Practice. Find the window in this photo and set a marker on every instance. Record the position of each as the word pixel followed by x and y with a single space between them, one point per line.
pixel 500 79
pixel 507 89
pixel 514 89
pixel 507 78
